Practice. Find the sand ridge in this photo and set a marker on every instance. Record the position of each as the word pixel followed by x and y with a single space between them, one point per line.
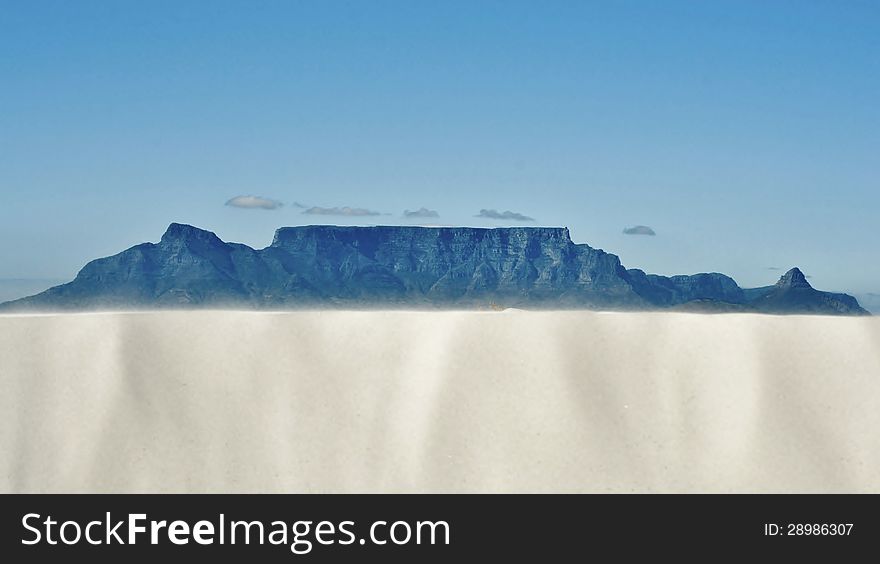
pixel 332 401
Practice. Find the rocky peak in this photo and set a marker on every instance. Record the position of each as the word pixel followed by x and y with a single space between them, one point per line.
pixel 794 278
pixel 181 232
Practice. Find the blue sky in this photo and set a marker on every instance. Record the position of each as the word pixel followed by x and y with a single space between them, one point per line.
pixel 745 134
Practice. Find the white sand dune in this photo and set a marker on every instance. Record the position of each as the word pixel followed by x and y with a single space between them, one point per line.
pixel 438 402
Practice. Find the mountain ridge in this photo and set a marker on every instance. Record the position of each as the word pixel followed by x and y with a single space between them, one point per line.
pixel 407 266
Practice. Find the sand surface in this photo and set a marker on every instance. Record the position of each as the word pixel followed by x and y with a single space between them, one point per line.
pixel 438 402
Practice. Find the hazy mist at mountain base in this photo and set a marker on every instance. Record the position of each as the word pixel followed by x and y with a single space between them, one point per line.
pixel 513 401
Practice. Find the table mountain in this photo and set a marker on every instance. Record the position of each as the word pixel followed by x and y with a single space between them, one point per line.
pixel 448 267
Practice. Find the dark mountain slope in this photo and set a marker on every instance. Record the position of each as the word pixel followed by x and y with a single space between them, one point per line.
pixel 448 267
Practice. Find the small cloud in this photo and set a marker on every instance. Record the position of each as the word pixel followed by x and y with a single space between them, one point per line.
pixel 299 205
pixel 639 230
pixel 773 268
pixel 421 212
pixel 253 203
pixel 347 211
pixel 495 214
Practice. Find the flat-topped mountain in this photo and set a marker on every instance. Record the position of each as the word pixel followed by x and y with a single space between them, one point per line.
pixel 423 267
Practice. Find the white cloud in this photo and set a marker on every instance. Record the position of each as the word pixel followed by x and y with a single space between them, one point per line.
pixel 254 203
pixel 639 230
pixel 421 212
pixel 495 214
